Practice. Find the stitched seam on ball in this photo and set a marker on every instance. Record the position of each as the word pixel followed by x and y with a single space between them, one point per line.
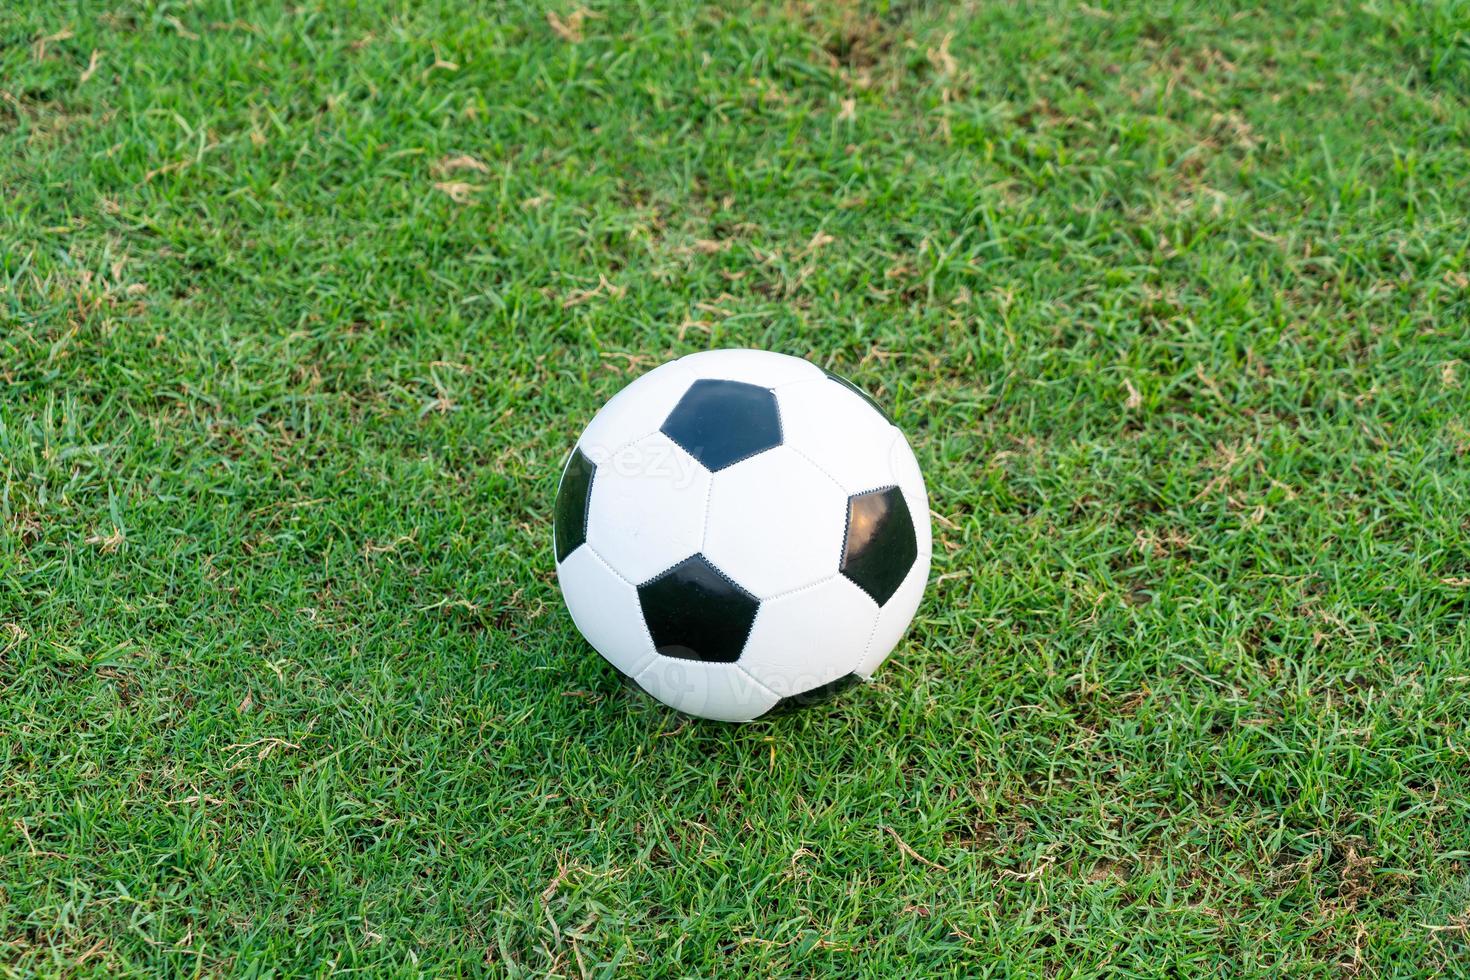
pixel 886 486
pixel 757 683
pixel 907 626
pixel 643 663
pixel 638 677
pixel 638 599
pixel 866 591
pixel 630 442
pixel 709 491
pixel 888 453
pixel 659 575
pixel 605 564
pixel 653 578
pixel 801 588
pixel 652 643
pixel 820 468
pixel 650 658
pixel 751 455
pixel 721 573
pixel 652 646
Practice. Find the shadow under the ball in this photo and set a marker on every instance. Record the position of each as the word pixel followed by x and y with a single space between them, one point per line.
pixel 629 682
pixel 823 692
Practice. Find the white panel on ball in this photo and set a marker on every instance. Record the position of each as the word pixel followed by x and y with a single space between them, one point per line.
pixel 719 691
pixel 757 367
pixel 839 431
pixel 775 523
pixel 810 637
pixel 647 507
pixel 605 609
pixel 894 617
pixel 635 412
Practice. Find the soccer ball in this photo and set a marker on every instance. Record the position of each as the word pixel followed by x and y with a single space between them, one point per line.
pixel 739 531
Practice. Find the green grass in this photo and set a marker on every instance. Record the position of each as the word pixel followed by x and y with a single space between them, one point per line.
pixel 1174 306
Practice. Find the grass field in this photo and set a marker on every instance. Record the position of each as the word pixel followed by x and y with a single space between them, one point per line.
pixel 301 306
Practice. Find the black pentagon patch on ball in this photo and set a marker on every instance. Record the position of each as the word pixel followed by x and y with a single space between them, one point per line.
pixel 879 547
pixel 695 612
pixel 720 423
pixel 861 394
pixel 822 692
pixel 569 517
